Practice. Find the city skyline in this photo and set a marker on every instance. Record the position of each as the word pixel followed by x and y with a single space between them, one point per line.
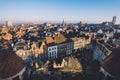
pixel 90 11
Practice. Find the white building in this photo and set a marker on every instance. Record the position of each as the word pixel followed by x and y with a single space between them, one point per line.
pixel 52 52
pixel 8 23
pixel 100 31
pixel 100 52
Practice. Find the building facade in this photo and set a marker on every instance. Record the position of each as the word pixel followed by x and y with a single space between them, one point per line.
pixel 52 52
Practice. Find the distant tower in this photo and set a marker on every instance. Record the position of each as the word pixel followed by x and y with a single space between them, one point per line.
pixel 63 23
pixel 114 20
pixel 80 23
pixel 8 23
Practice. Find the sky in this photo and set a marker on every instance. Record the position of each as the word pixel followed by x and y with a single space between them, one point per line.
pixel 87 11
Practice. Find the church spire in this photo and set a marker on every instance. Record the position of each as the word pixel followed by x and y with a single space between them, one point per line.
pixel 63 23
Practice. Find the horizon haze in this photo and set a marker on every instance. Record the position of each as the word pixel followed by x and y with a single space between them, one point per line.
pixel 87 11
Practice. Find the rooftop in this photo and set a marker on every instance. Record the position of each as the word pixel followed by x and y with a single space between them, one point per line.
pixel 112 63
pixel 10 63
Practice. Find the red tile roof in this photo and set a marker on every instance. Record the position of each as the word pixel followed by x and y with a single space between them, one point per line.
pixel 23 28
pixel 59 38
pixel 10 63
pixel 7 36
pixel 19 33
pixel 5 29
pixel 49 40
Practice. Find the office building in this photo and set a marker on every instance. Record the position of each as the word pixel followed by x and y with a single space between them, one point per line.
pixel 114 20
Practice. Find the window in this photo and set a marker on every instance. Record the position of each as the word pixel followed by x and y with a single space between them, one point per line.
pixel 52 48
pixel 49 54
pixel 52 53
pixel 49 49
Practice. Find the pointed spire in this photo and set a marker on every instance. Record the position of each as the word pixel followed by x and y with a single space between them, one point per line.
pixel 63 22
